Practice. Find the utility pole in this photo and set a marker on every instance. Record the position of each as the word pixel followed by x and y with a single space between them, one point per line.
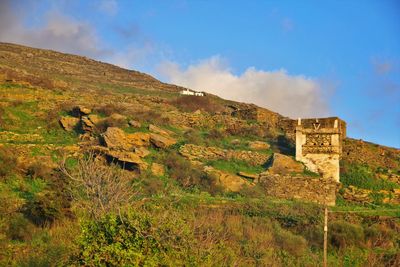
pixel 326 237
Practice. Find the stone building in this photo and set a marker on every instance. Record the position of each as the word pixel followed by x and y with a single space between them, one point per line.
pixel 319 146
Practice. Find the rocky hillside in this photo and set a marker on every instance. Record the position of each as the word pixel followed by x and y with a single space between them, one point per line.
pixel 66 120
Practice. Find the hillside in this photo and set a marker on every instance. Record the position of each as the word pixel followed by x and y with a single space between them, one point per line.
pixel 188 179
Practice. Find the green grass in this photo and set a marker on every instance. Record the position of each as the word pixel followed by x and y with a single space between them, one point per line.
pixel 362 176
pixel 235 166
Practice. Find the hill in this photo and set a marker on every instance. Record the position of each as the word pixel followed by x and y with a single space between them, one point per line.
pixel 180 180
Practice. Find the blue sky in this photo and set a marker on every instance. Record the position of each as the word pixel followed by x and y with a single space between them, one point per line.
pixel 300 58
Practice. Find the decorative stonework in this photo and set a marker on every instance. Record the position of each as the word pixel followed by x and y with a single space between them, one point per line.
pixel 319 148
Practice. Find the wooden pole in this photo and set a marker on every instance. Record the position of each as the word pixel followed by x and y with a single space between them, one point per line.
pixel 326 236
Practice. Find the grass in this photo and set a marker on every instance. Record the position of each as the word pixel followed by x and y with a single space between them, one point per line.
pixel 362 176
pixel 235 166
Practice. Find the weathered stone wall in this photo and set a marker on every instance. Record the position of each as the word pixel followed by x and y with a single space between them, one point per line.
pixel 195 152
pixel 311 189
pixel 258 114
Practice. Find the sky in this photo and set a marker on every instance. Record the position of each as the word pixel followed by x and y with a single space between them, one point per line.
pixel 299 58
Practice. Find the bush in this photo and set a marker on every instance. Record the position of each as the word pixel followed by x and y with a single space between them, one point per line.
pixel 44 208
pixel 362 176
pixel 111 108
pixel 343 234
pixel 189 176
pixel 286 240
pixel 8 161
pixel 133 239
pixel 193 103
pixel 19 228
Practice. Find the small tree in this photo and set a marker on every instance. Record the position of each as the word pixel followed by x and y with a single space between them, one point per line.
pixel 97 188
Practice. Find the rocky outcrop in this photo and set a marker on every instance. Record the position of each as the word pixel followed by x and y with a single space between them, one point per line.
pixel 195 152
pixel 158 130
pixel 129 160
pixel 161 141
pixel 69 123
pixel 115 138
pixel 282 164
pixel 311 189
pixel 259 145
pixel 251 176
pixel 229 182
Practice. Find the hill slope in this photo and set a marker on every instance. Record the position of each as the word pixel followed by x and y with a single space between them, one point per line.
pixel 187 190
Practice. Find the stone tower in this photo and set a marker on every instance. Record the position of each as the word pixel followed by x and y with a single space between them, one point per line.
pixel 319 147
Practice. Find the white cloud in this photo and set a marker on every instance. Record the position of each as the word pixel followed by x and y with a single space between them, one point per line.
pixel 57 31
pixel 294 96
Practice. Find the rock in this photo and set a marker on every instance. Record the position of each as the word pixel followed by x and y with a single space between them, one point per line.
pixel 158 130
pixel 229 182
pixel 115 138
pixel 157 169
pixel 134 124
pixel 161 141
pixel 138 139
pixel 259 145
pixel 235 142
pixel 129 160
pixel 282 164
pixel 81 110
pixel 87 124
pixel 95 118
pixel 142 152
pixel 249 175
pixel 69 123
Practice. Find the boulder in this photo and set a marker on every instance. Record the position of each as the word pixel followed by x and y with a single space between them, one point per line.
pixel 69 123
pixel 142 152
pixel 138 139
pixel 81 110
pixel 161 141
pixel 229 182
pixel 157 169
pixel 259 145
pixel 158 130
pixel 114 138
pixel 134 124
pixel 129 160
pixel 282 164
pixel 87 124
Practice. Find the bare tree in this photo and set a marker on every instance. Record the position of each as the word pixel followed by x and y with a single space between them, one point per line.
pixel 96 187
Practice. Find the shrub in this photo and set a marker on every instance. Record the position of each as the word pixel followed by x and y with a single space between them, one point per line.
pixel 111 108
pixel 286 240
pixel 97 188
pixel 343 234
pixel 39 169
pixel 44 208
pixel 19 228
pixel 362 176
pixel 133 239
pixel 189 176
pixel 8 161
pixel 193 103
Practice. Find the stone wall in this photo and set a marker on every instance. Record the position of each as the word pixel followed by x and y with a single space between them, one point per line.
pixel 258 114
pixel 195 152
pixel 311 189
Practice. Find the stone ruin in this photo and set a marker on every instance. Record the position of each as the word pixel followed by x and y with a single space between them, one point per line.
pixel 319 147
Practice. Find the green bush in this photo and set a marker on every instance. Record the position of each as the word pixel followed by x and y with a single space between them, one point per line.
pixel 19 228
pixel 362 176
pixel 133 239
pixel 343 234
pixel 286 240
pixel 8 161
